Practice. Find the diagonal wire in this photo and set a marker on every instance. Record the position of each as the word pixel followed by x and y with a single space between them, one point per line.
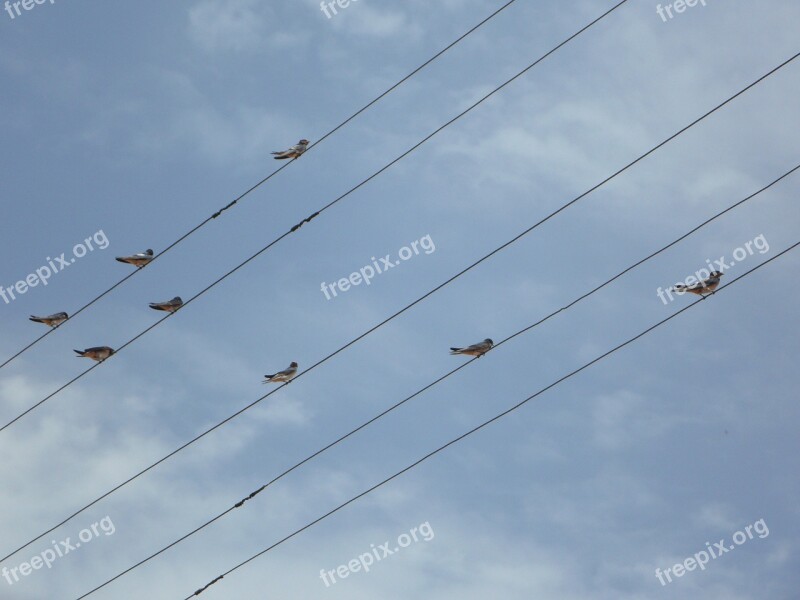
pixel 436 382
pixel 342 197
pixel 482 425
pixel 268 177
pixel 255 402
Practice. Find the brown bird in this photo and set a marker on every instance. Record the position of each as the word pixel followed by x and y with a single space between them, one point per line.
pixel 169 305
pixel 701 288
pixel 293 152
pixel 474 350
pixel 137 260
pixel 51 320
pixel 282 376
pixel 98 353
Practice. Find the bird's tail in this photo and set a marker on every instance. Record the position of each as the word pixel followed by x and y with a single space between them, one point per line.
pixel 280 157
pixel 36 319
pixel 122 260
pixel 455 350
pixel 80 352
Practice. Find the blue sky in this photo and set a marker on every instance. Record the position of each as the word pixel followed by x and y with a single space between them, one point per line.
pixel 141 120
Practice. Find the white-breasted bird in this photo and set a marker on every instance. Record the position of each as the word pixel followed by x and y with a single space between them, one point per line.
pixel 52 320
pixel 701 288
pixel 98 353
pixel 169 305
pixel 476 349
pixel 282 376
pixel 293 152
pixel 137 260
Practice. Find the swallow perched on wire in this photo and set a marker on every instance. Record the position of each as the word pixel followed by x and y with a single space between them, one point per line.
pixel 701 288
pixel 52 320
pixel 293 152
pixel 282 376
pixel 476 349
pixel 137 260
pixel 98 353
pixel 168 306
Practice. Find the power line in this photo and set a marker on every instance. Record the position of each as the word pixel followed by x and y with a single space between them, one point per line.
pixel 390 318
pixel 267 178
pixel 484 424
pixel 329 205
pixel 436 382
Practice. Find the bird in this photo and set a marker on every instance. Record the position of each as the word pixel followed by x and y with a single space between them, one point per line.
pixel 52 320
pixel 282 376
pixel 99 353
pixel 293 152
pixel 701 288
pixel 137 260
pixel 476 349
pixel 168 306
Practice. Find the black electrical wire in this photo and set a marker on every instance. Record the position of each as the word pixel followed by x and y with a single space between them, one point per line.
pixel 484 424
pixel 436 382
pixel 267 178
pixel 326 207
pixel 401 311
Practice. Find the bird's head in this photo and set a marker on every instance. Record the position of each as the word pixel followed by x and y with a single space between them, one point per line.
pixel 716 274
pixel 293 365
pixel 489 341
